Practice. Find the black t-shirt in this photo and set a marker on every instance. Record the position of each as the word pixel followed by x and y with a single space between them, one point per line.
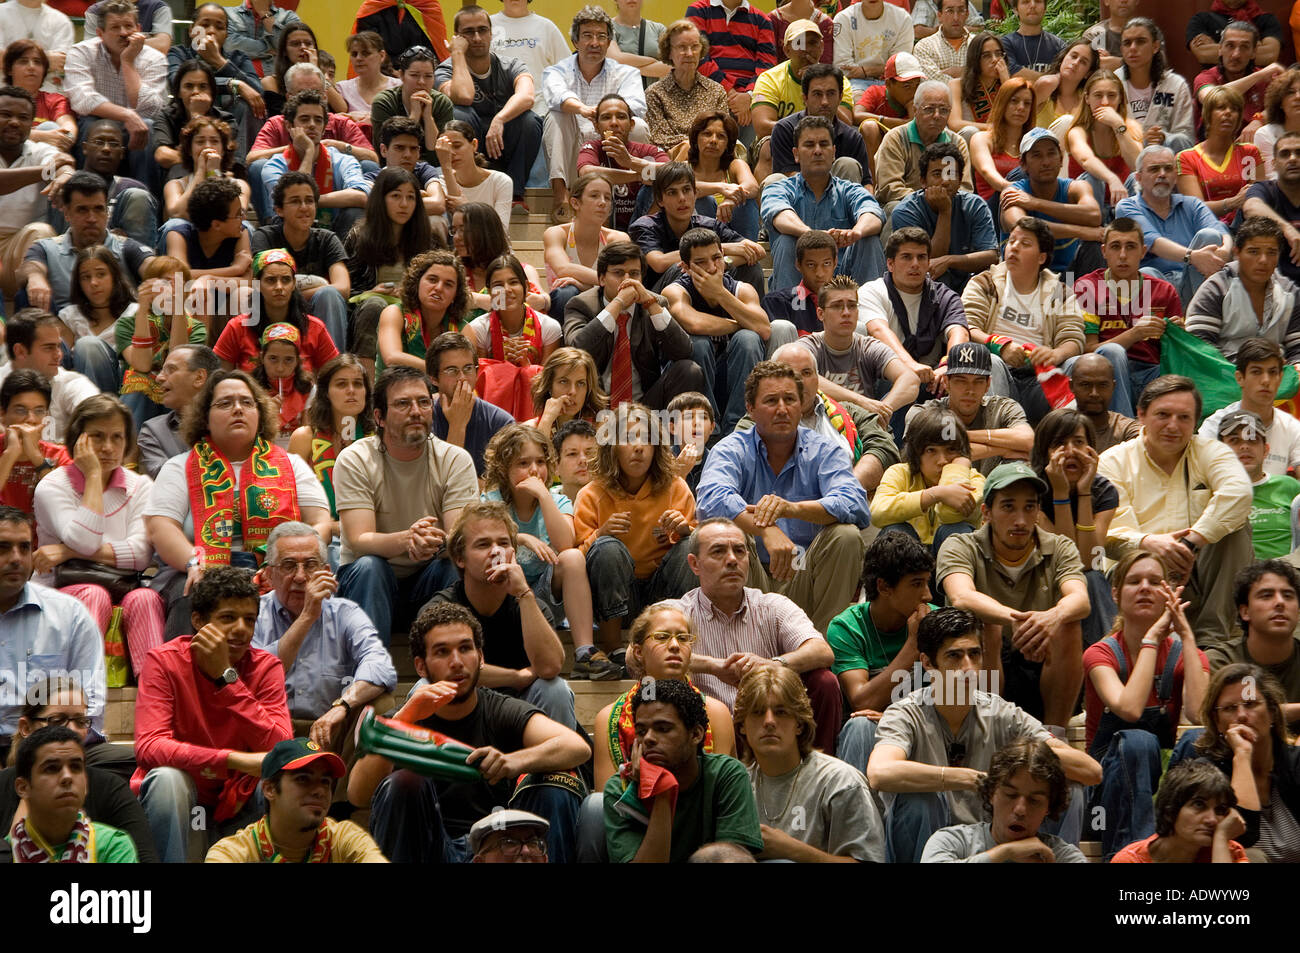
pixel 322 250
pixel 1271 194
pixel 497 721
pixel 503 632
pixel 653 233
pixel 848 142
pixel 1104 498
pixel 1212 25
pixel 491 92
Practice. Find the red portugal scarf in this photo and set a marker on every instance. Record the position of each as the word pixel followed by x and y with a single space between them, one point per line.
pixel 843 423
pixel 321 848
pixel 531 331
pixel 30 848
pixel 622 728
pixel 427 12
pixel 269 497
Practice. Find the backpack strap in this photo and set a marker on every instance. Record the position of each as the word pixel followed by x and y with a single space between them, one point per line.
pixel 1165 690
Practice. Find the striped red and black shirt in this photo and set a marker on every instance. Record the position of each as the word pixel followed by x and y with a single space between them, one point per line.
pixel 738 50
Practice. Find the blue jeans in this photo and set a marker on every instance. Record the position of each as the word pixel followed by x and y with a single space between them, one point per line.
pixel 95 357
pixel 910 821
pixel 328 305
pixel 592 847
pixel 406 821
pixel 734 359
pixel 169 797
pixel 856 742
pixel 862 261
pixel 1131 377
pixel 1130 772
pixel 371 583
pixel 135 212
pixel 744 218
pixel 1187 278
pixel 1185 747
pixel 521 142
pixel 561 297
pixel 940 535
pixel 259 193
pixel 1098 623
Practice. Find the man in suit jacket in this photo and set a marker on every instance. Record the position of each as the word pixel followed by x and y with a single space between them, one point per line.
pixel 660 348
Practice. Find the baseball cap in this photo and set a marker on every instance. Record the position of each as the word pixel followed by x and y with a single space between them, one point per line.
pixel 296 754
pixel 1006 474
pixel 970 358
pixel 902 67
pixel 502 821
pixel 1241 418
pixel 800 27
pixel 1034 135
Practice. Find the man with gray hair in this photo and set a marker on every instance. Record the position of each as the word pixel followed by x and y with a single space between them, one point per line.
pixel 181 377
pixel 334 663
pixel 898 160
pixel 1185 241
pixel 574 88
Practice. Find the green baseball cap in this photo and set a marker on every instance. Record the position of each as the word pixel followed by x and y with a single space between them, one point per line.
pixel 1006 474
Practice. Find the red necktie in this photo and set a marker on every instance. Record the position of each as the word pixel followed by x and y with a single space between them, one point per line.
pixel 620 374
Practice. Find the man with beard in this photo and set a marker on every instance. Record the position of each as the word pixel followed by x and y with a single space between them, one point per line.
pixel 419 819
pixel 675 798
pixel 1092 380
pixel 398 491
pixel 296 781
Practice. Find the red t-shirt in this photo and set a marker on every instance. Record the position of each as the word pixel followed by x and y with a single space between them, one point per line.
pixel 1109 311
pixel 1139 852
pixel 275 133
pixel 240 345
pixel 1004 164
pixel 1100 654
pixel 1242 166
pixel 20 489
pixel 875 100
pixel 50 106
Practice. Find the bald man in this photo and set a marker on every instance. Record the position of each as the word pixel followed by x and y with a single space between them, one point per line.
pixel 868 442
pixel 1092 378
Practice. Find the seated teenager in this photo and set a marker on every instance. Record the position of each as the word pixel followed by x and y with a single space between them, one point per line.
pixel 478 238
pixel 995 151
pixel 212 240
pixel 572 249
pixel 206 148
pixel 1260 366
pixel 575 448
pixel 1024 786
pixel 193 94
pixel 1196 821
pixel 512 331
pixel 568 388
pixel 1273 493
pixel 465 175
pixel 815 257
pixel 1140 680
pixel 399 146
pixel 1103 139
pixel 935 729
pixel 100 296
pixel 524 758
pixel 815 808
pixel 1068 206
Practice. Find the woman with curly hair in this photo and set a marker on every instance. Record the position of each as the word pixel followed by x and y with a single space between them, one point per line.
pixel 633 519
pixel 1281 114
pixel 435 296
pixel 207 148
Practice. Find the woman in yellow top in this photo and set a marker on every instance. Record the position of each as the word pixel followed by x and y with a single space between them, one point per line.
pixel 632 520
pixel 934 492
pixel 1060 90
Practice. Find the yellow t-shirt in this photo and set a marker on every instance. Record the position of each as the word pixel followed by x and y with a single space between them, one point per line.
pixel 351 845
pixel 778 88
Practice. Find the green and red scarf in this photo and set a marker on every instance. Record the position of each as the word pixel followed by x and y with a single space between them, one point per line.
pixel 30 848
pixel 321 852
pixel 269 497
pixel 622 728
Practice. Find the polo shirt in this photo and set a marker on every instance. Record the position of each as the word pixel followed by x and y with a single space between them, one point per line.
pixel 1054 560
pixel 1187 216
pixel 779 88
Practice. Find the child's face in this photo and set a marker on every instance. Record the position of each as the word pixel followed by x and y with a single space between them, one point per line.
pixel 816 267
pixel 696 427
pixel 574 453
pixel 933 459
pixel 280 359
pixel 531 462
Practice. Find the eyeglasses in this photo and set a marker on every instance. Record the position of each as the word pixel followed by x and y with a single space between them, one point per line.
pixel 513 847
pixel 105 143
pixel 934 110
pixel 474 30
pixel 469 370
pixel 663 638
pixel 290 567
pixel 405 404
pixel 1247 706
pixel 226 403
pixel 62 721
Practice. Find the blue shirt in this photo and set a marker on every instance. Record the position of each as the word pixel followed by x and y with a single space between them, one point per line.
pixel 342 647
pixel 840 206
pixel 1187 216
pixel 347 175
pixel 48 633
pixel 533 526
pixel 737 473
pixel 484 421
pixel 972 222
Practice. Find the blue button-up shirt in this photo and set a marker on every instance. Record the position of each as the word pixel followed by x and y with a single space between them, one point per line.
pixel 737 473
pixel 342 647
pixel 1187 216
pixel 972 223
pixel 840 206
pixel 48 634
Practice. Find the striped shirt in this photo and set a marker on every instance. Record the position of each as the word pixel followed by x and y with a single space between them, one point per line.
pixel 766 624
pixel 935 54
pixel 90 80
pixel 741 44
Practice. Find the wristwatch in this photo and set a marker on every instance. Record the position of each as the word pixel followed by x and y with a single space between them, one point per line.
pixel 1190 545
pixel 1122 128
pixel 228 677
pixel 347 706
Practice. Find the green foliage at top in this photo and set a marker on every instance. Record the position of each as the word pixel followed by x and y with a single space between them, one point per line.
pixel 1066 18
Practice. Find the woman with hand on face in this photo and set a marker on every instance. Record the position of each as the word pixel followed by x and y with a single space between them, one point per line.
pixel 1104 139
pixel 512 331
pixel 973 94
pixel 660 646
pixel 1197 821
pixel 93 510
pixel 194 94
pixel 567 388
pixel 571 248
pixel 26 65
pixel 434 300
pixel 466 176
pixel 297 44
pixel 207 150
pixel 1059 91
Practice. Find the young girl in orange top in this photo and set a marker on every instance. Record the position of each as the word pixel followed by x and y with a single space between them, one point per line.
pixel 632 520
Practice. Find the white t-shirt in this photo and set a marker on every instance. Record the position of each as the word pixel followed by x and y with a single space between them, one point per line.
pixel 496 190
pixel 1283 438
pixel 171 492
pixel 874 304
pixel 23 206
pixel 533 40
pixel 47 26
pixel 1021 316
pixel 1139 101
pixel 859 40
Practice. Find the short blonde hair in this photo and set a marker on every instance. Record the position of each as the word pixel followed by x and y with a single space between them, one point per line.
pixel 763 685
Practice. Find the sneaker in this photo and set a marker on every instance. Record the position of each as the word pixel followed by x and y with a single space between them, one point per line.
pixel 598 668
pixel 521 205
pixel 619 657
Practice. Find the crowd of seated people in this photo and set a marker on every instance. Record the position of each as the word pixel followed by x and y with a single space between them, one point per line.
pixel 883 382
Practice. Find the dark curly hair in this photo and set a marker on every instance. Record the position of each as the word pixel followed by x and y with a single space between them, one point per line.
pixel 682 696
pixel 415 271
pixel 210 201
pixel 186 145
pixel 194 425
pixel 1042 763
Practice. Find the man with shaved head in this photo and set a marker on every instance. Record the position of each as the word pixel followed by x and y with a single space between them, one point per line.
pixel 1093 381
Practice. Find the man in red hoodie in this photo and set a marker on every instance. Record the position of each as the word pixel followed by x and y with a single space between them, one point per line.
pixel 209 707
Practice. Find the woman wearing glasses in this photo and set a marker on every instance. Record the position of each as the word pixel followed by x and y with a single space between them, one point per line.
pixel 416 98
pixel 661 641
pixel 60 701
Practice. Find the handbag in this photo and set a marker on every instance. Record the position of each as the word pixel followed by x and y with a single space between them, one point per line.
pixel 87 572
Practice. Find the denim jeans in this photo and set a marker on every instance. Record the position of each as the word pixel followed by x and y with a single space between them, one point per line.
pixel 1185 746
pixel 1187 278
pixel 744 217
pixel 371 583
pixel 169 797
pixel 1130 772
pixel 940 535
pixel 1098 623
pixel 521 141
pixel 95 357
pixel 591 845
pixel 618 594
pixel 856 742
pixel 726 365
pixel 328 305
pixel 406 821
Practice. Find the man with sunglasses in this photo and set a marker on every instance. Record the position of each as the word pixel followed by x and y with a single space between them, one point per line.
pixel 334 663
pixel 741 629
pixel 935 744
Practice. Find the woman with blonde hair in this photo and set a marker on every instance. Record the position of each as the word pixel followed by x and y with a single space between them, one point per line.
pixel 567 388
pixel 1103 141
pixel 1219 169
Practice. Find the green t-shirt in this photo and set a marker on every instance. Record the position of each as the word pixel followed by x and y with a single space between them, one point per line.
pixel 718 807
pixel 112 846
pixel 1270 515
pixel 857 642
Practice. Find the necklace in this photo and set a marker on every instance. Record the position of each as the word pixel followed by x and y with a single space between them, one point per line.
pixel 1038 48
pixel 773 818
